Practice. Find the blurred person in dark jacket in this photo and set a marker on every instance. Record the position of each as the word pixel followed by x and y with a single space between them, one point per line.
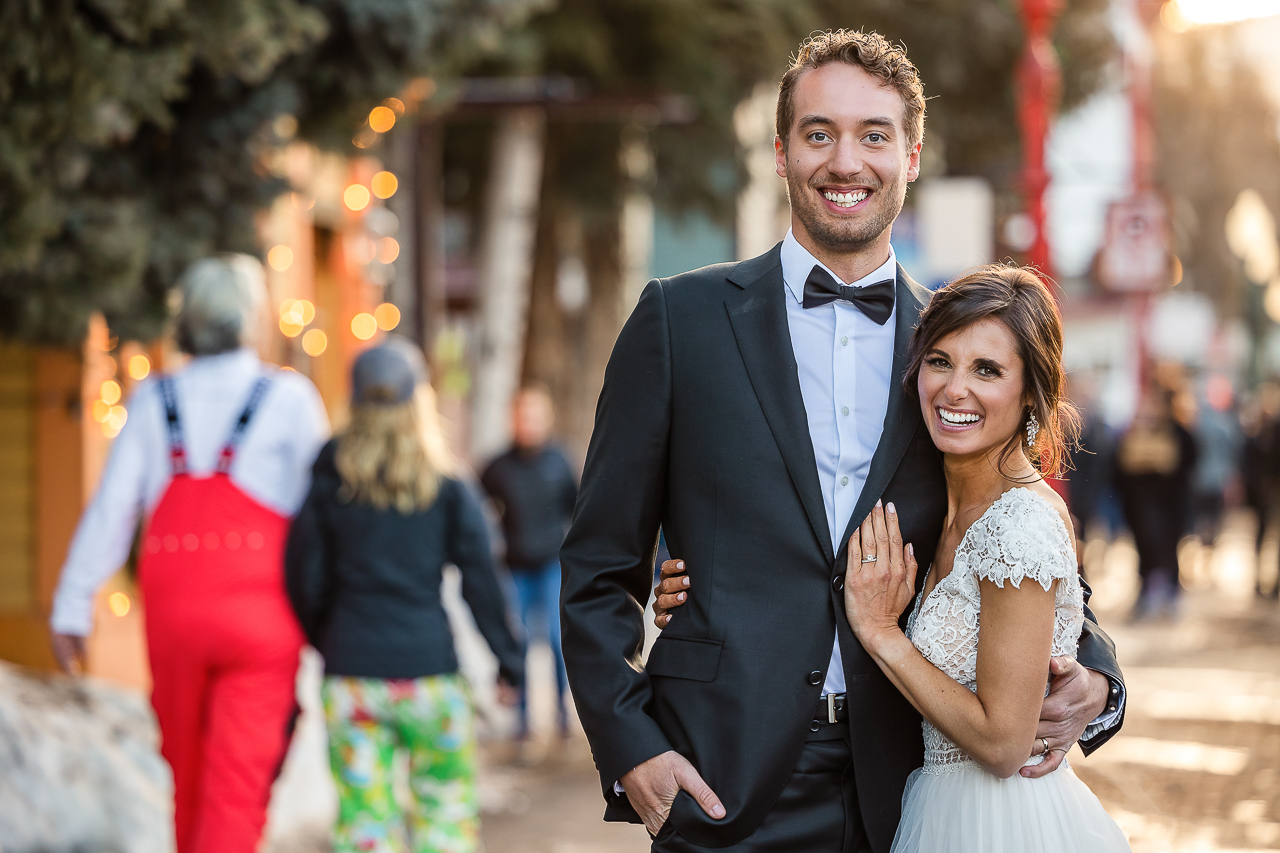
pixel 1153 464
pixel 533 488
pixel 1260 471
pixel 386 512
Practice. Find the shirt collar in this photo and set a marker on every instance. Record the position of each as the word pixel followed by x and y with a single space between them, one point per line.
pixel 797 262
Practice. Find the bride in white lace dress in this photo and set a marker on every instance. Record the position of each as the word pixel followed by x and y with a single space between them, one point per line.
pixel 1001 595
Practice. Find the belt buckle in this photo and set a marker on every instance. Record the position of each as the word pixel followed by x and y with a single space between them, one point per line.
pixel 831 708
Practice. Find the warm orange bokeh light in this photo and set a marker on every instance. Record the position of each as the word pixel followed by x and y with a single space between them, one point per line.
pixel 306 309
pixel 382 119
pixel 395 104
pixel 303 202
pixel 116 416
pixel 110 392
pixel 388 249
pixel 364 326
pixel 119 603
pixel 356 196
pixel 100 411
pixel 139 367
pixel 387 315
pixel 384 184
pixel 314 342
pixel 295 315
pixel 280 258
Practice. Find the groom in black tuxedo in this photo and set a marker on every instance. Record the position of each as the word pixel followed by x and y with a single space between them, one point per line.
pixel 755 411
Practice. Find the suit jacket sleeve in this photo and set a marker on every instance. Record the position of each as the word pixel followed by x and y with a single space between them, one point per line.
pixel 1096 651
pixel 607 558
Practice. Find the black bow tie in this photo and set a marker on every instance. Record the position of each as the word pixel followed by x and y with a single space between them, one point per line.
pixel 874 300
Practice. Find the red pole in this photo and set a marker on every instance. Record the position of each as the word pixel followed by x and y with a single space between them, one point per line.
pixel 1039 86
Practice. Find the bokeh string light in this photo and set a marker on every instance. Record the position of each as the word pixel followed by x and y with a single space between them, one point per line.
pixel 139 367
pixel 314 342
pixel 356 197
pixel 382 119
pixel 387 315
pixel 280 258
pixel 119 604
pixel 384 184
pixel 295 315
pixel 364 326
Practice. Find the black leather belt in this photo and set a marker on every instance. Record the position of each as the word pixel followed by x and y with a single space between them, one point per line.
pixel 831 709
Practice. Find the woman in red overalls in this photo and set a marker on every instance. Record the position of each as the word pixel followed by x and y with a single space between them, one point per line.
pixel 217 455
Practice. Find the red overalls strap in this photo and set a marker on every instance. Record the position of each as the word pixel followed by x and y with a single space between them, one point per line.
pixel 223 643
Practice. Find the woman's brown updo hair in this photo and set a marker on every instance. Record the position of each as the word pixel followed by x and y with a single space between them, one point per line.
pixel 1019 299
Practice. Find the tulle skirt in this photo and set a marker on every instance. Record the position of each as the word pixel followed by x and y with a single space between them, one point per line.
pixel 967 810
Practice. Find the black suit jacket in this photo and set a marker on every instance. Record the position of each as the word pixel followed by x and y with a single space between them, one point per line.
pixel 701 429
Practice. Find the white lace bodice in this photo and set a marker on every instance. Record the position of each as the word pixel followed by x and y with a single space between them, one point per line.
pixel 1019 536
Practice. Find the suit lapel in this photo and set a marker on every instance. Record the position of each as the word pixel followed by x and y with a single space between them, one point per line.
pixel 758 315
pixel 902 416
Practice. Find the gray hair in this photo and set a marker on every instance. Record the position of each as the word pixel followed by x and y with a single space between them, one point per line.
pixel 222 298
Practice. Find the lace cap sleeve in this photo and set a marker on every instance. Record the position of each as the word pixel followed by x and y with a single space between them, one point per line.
pixel 1022 536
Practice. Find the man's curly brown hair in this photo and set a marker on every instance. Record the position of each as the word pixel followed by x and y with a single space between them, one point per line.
pixel 872 53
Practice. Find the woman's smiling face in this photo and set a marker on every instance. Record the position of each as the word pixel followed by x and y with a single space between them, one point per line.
pixel 971 389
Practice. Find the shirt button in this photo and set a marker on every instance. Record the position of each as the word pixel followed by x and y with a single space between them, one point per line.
pixel 838 582
pixel 844 410
pixel 815 725
pixel 844 341
pixel 1111 707
pixel 1115 691
pixel 844 481
pixel 815 678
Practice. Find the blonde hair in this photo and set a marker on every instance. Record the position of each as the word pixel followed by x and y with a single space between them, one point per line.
pixel 394 455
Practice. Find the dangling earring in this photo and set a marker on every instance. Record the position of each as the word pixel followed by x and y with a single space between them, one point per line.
pixel 1033 428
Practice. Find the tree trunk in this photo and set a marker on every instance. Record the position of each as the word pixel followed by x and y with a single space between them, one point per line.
pixel 505 268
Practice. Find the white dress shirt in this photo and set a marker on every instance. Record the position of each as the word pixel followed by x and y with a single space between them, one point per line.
pixel 845 361
pixel 272 463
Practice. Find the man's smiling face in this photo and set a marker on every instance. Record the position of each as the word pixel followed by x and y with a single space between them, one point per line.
pixel 846 159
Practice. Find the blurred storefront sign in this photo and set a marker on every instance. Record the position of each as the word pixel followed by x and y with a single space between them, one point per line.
pixel 955 227
pixel 1135 256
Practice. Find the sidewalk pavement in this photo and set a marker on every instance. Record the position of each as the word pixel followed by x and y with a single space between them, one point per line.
pixel 1196 768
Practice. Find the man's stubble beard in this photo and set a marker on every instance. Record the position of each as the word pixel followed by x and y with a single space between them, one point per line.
pixel 843 237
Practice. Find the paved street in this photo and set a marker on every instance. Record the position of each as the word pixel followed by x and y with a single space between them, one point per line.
pixel 1196 769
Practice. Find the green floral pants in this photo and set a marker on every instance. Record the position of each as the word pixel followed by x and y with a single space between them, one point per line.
pixel 369 720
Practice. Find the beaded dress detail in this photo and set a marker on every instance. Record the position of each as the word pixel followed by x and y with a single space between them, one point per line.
pixel 1020 536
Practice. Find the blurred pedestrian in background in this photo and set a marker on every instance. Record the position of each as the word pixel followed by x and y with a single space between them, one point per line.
pixel 214 458
pixel 1217 434
pixel 1154 460
pixel 1260 473
pixel 533 488
pixel 365 561
pixel 1091 463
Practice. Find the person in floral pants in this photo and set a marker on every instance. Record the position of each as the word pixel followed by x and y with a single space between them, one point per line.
pixel 386 512
pixel 368 720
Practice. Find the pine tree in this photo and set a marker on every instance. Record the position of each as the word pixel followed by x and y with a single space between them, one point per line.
pixel 133 133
